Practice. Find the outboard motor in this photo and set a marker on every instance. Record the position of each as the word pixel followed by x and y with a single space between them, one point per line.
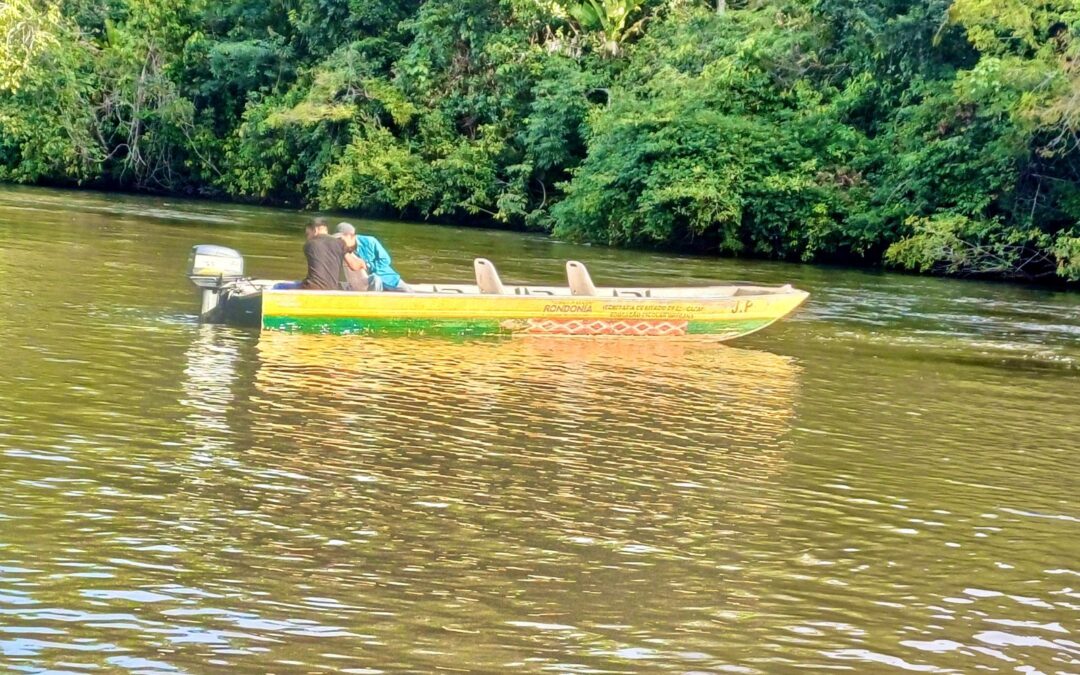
pixel 213 268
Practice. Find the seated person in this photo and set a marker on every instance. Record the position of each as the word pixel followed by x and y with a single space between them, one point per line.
pixel 369 252
pixel 325 255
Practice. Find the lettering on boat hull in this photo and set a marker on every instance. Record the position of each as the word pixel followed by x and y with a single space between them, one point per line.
pixel 562 308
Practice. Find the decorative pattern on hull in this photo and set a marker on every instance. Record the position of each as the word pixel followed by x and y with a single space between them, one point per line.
pixel 641 328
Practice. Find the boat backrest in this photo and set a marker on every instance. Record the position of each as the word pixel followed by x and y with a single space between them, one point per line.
pixel 487 277
pixel 578 277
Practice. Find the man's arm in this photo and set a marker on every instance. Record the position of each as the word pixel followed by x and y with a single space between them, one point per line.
pixel 380 252
pixel 355 262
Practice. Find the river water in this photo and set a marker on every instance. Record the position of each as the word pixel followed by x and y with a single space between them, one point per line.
pixel 886 481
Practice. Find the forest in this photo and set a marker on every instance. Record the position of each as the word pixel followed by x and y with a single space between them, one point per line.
pixel 929 135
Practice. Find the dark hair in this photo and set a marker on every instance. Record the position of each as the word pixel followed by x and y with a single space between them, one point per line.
pixel 317 223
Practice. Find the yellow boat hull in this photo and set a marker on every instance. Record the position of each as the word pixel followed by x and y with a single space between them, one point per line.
pixel 722 318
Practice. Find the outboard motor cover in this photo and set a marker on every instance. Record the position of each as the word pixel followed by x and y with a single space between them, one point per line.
pixel 213 266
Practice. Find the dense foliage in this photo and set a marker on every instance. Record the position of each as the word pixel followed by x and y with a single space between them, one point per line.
pixel 933 135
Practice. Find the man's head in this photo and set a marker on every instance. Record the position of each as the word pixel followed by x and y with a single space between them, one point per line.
pixel 347 232
pixel 316 227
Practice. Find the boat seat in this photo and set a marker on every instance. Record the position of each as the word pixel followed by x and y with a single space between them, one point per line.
pixel 578 277
pixel 487 277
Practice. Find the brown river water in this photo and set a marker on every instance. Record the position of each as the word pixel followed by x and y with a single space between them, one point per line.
pixel 888 481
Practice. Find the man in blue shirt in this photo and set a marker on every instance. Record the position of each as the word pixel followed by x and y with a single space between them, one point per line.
pixel 367 253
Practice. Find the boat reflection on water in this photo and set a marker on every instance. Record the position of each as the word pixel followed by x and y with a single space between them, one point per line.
pixel 630 400
pixel 592 408
pixel 630 464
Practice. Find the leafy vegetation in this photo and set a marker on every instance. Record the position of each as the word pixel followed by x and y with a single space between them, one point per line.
pixel 939 136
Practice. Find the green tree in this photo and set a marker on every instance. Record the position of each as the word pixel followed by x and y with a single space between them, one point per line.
pixel 707 145
pixel 610 18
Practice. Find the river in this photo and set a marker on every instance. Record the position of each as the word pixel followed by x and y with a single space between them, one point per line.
pixel 886 481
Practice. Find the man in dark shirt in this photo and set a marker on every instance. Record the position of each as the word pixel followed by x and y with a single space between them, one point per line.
pixel 324 254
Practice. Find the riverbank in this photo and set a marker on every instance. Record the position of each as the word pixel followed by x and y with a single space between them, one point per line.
pixel 301 215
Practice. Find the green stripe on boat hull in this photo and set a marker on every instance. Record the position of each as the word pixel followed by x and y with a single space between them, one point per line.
pixel 727 329
pixel 363 326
